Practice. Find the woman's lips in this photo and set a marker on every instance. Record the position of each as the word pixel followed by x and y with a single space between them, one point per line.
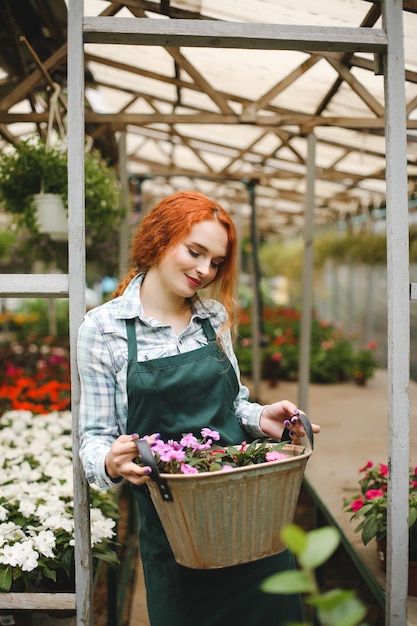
pixel 194 282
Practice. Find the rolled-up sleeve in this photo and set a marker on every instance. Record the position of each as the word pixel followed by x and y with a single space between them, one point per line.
pixel 98 423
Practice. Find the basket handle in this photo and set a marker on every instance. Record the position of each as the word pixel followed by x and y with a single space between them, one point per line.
pixel 308 440
pixel 148 458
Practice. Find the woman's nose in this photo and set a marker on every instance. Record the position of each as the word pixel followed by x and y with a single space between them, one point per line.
pixel 203 267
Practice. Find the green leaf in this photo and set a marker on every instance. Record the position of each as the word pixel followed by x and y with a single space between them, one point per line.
pixel 49 573
pixel 108 557
pixel 293 581
pixel 321 543
pixel 294 537
pixel 330 599
pixel 349 613
pixel 412 515
pixel 370 529
pixel 5 578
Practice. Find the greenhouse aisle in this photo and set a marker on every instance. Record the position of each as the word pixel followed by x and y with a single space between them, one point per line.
pixel 354 430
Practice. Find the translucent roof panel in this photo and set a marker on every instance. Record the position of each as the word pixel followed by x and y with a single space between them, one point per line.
pixel 220 117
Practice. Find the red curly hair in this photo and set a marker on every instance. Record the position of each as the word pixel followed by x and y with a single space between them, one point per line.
pixel 167 224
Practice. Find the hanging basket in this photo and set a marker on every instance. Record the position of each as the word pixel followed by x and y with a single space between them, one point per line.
pixel 51 216
pixel 224 518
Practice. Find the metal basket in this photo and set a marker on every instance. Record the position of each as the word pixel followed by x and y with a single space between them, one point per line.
pixel 219 519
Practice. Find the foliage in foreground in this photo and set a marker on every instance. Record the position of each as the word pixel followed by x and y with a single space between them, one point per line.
pixel 337 607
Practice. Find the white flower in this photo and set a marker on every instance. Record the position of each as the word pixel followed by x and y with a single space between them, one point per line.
pixel 10 555
pixel 57 522
pixel 20 555
pixel 30 560
pixel 101 527
pixel 36 477
pixel 10 532
pixel 45 541
pixel 27 507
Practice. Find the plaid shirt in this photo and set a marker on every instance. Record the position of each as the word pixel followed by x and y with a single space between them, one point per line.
pixel 102 364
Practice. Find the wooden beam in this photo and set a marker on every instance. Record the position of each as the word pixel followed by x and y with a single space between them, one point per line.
pixel 121 120
pixel 24 89
pixel 33 286
pixel 37 601
pixel 204 33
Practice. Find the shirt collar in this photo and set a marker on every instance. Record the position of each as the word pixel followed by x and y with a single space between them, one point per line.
pixel 130 305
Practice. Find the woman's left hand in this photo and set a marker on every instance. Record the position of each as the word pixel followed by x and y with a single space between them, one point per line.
pixel 279 415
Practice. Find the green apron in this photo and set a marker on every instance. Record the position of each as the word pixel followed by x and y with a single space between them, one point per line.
pixel 176 395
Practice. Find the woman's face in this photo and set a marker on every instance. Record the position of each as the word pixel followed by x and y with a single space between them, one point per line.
pixel 194 262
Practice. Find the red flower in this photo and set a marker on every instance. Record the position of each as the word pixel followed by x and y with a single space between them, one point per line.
pixel 371 494
pixel 367 466
pixel 383 469
pixel 356 505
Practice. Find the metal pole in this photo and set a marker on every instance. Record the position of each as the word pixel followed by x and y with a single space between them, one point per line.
pixel 398 315
pixel 306 300
pixel 124 235
pixel 257 298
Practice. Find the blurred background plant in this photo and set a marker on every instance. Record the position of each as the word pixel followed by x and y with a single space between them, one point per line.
pixel 35 375
pixel 332 359
pixel 364 363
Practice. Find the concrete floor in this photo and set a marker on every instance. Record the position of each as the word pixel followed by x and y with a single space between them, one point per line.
pixel 354 430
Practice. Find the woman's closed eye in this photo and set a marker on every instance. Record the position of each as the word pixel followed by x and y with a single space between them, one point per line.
pixel 215 264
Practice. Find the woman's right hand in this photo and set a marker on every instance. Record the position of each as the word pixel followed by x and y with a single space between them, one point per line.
pixel 119 460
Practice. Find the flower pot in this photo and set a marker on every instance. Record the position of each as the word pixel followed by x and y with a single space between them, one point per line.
pixel 412 567
pixel 51 216
pixel 223 518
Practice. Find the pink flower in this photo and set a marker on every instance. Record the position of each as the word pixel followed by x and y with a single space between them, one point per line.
pixel 174 444
pixel 367 466
pixel 226 467
pixel 371 494
pixel 207 432
pixel 188 469
pixel 168 454
pixel 275 456
pixel 356 505
pixel 383 469
pixel 189 441
pixel 204 446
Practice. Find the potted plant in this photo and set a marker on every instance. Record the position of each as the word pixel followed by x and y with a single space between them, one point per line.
pixel 369 507
pixel 218 488
pixel 32 168
pixel 364 364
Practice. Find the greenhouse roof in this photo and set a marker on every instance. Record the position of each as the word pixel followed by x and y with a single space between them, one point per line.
pixel 225 120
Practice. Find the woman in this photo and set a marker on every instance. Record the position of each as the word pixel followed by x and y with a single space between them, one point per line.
pixel 159 359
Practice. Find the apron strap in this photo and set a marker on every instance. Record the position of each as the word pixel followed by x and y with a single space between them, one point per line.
pixel 208 329
pixel 132 348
